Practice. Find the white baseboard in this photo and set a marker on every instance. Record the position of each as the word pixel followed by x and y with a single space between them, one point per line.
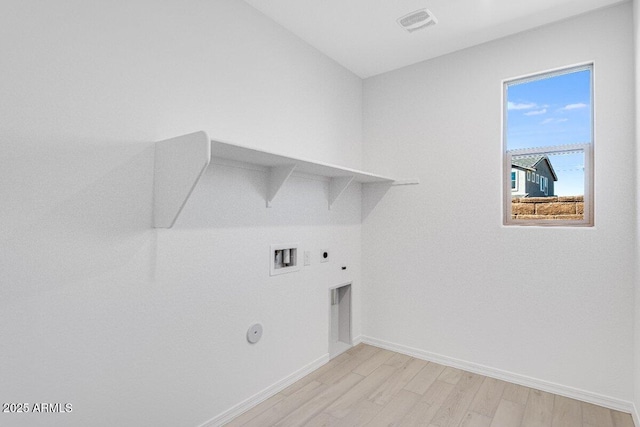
pixel 635 415
pixel 357 340
pixel 263 395
pixel 574 393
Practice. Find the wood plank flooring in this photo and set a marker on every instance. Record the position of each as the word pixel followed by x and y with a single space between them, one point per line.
pixel 375 387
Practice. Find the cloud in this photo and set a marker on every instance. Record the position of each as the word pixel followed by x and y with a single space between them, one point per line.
pixel 574 106
pixel 548 121
pixel 520 106
pixel 536 112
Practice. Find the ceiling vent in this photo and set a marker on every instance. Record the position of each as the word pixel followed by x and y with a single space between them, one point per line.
pixel 417 20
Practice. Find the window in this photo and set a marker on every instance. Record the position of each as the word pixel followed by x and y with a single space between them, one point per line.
pixel 514 182
pixel 548 131
pixel 544 185
pixel 528 175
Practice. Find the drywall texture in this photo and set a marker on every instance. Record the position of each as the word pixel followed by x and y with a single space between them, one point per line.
pixel 555 304
pixel 135 326
pixel 636 39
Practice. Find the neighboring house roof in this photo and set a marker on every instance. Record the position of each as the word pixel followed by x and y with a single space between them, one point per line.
pixel 531 163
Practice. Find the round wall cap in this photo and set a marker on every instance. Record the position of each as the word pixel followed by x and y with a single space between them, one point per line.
pixel 254 333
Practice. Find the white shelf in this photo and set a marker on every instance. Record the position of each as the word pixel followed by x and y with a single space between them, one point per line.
pixel 265 158
pixel 181 161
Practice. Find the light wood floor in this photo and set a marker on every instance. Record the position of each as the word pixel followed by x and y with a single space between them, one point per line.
pixel 376 387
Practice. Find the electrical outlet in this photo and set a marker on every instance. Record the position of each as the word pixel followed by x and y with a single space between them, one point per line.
pixel 324 255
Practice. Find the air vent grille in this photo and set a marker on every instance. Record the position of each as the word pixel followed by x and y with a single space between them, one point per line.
pixel 417 20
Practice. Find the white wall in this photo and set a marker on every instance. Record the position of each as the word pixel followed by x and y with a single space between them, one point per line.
pixel 443 275
pixel 636 40
pixel 136 326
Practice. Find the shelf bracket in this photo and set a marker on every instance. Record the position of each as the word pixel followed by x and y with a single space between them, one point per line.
pixel 278 175
pixel 337 185
pixel 179 164
pixel 372 193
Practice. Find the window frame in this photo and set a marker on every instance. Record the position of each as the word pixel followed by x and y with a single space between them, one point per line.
pixel 587 148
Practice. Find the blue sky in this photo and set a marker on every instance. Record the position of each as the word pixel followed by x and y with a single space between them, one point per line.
pixel 550 112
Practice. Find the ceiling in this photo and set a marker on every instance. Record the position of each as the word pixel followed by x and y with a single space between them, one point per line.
pixel 364 37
